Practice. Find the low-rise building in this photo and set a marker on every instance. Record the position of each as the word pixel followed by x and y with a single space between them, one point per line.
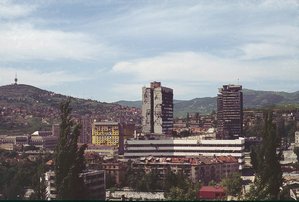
pixel 45 142
pixel 102 150
pixel 211 193
pixel 16 140
pixel 7 146
pixel 115 169
pixel 134 196
pixel 201 168
pixel 42 133
pixel 185 148
pixel 94 181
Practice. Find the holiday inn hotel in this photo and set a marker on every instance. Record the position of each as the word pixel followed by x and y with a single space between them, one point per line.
pixel 106 133
pixel 111 133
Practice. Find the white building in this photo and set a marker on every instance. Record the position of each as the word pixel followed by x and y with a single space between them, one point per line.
pixel 41 133
pixel 94 180
pixel 51 192
pixel 132 195
pixel 185 147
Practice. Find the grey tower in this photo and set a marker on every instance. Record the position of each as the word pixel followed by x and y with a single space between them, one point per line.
pixel 230 112
pixel 157 109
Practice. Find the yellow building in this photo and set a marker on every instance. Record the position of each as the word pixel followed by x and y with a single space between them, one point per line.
pixel 106 133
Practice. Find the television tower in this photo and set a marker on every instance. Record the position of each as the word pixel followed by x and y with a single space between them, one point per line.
pixel 16 79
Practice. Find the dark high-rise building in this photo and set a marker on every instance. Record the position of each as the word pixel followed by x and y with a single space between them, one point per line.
pixel 230 112
pixel 85 136
pixel 157 109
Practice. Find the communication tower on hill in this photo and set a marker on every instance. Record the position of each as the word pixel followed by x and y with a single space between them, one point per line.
pixel 16 79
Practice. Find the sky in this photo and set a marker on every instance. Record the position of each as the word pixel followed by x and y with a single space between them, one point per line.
pixel 108 50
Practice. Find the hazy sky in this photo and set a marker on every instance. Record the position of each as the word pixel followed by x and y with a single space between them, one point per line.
pixel 108 50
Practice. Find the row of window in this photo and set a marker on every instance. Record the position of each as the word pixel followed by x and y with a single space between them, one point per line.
pixel 185 145
pixel 105 133
pixel 188 151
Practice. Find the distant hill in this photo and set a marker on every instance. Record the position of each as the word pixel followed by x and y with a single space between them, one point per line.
pixel 256 99
pixel 31 97
pixel 252 99
pixel 25 108
pixel 138 103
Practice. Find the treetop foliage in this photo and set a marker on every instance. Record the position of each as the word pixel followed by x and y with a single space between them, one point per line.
pixel 265 161
pixel 69 160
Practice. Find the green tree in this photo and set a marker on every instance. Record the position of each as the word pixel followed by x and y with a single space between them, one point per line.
pixel 153 181
pixel 170 180
pixel 129 178
pixel 212 183
pixel 192 191
pixel 110 181
pixel 176 193
pixel 265 161
pixel 189 192
pixel 233 184
pixel 38 180
pixel 69 160
pixel 178 187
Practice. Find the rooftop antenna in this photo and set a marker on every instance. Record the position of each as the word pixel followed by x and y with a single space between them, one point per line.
pixel 16 79
pixel 238 81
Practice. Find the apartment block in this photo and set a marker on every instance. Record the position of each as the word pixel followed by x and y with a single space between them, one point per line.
pixel 200 168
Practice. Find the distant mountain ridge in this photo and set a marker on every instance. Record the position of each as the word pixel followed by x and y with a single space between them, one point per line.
pixel 27 96
pixel 251 98
pixel 31 108
pixel 25 108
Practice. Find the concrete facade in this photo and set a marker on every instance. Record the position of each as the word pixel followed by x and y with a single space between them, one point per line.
pixel 198 168
pixel 230 112
pixel 185 148
pixel 157 109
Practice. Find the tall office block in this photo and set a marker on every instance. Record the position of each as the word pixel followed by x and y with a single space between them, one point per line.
pixel 86 130
pixel 230 112
pixel 157 109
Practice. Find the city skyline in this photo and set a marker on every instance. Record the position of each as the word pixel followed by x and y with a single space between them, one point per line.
pixel 108 50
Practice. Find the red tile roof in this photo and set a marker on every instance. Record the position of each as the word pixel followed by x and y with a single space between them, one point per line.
pixel 212 189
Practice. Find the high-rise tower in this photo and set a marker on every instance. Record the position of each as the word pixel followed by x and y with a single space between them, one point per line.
pixel 157 109
pixel 230 112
